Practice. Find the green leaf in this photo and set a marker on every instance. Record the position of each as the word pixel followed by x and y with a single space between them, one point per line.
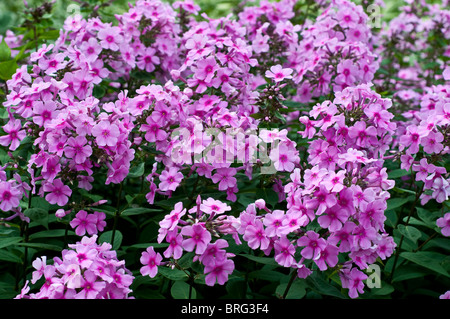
pixel 7 69
pixel 139 210
pixel 5 51
pixel 37 215
pixel 430 260
pixel 322 287
pixel 172 274
pixel 107 236
pixel 396 202
pixel 180 290
pixel 9 256
pixel 8 241
pixel 98 91
pixel 296 291
pixel 137 171
pixel 397 173
pixel 261 260
pixel 408 272
pixel 50 234
pixel 41 246
pixel 410 232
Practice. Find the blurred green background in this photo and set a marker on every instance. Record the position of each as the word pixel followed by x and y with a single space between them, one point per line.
pixel 11 10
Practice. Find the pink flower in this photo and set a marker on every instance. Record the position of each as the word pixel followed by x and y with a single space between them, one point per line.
pixel 170 221
pixel 170 179
pixel 106 133
pixel 84 222
pixel 44 112
pixel 313 244
pixel 206 69
pixel 432 142
pixel 218 271
pixel 175 248
pixel 212 206
pixel 91 287
pixel 77 149
pixel 198 238
pixel 284 158
pixel 444 224
pixel 256 236
pixel 14 134
pixel 278 74
pixel 353 280
pixel 284 252
pixel 151 260
pixel 58 192
pixel 329 255
pixel 225 178
pixel 110 38
pixel 9 196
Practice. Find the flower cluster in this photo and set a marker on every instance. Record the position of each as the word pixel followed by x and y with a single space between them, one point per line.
pixel 336 203
pixel 86 271
pixel 193 230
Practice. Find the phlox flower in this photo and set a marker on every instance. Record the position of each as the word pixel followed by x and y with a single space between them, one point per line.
pixel 255 236
pixel 14 134
pixel 278 74
pixel 170 221
pixel 198 238
pixel 106 134
pixel 353 280
pixel 110 38
pixel 329 255
pixel 175 241
pixel 90 286
pixel 444 224
pixel 151 260
pixel 284 252
pixel 170 179
pixel 212 206
pixel 9 196
pixel 218 270
pixel 84 222
pixel 78 149
pixel 283 157
pixel 313 244
pixel 58 193
pixel 225 178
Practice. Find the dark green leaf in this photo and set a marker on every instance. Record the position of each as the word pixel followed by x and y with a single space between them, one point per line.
pixel 261 260
pixel 180 290
pixel 430 260
pixel 7 69
pixel 9 256
pixel 139 210
pixel 5 51
pixel 409 232
pixel 172 274
pixel 137 171
pixel 37 215
pixel 8 241
pixel 107 237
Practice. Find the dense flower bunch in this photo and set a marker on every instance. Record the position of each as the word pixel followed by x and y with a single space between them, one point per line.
pixel 193 230
pixel 86 271
pixel 336 203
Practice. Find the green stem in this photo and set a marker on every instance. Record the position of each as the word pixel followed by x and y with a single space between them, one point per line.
pixel 117 214
pixel 397 254
pixel 291 280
